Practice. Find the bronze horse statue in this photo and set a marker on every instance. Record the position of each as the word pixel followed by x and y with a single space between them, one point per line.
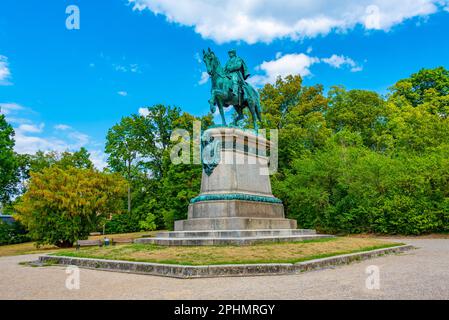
pixel 223 96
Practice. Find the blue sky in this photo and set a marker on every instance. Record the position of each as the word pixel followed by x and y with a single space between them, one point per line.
pixel 62 89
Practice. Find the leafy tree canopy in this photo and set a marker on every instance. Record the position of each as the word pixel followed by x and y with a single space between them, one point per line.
pixel 63 205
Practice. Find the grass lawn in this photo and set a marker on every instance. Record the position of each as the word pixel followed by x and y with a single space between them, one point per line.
pixel 30 247
pixel 206 255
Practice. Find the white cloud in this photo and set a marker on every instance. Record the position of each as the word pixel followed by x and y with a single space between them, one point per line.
pixel 357 69
pixel 5 73
pixel 13 112
pixel 31 137
pixel 144 112
pixel 120 68
pixel 263 21
pixel 99 159
pixel 445 3
pixel 296 63
pixel 134 68
pixel 78 139
pixel 62 127
pixel 31 144
pixel 198 58
pixel 8 108
pixel 122 93
pixel 204 78
pixel 339 61
pixel 67 140
pixel 30 128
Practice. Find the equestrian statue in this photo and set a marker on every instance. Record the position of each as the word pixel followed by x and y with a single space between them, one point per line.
pixel 229 87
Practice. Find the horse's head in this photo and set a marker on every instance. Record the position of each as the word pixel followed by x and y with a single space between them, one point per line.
pixel 211 61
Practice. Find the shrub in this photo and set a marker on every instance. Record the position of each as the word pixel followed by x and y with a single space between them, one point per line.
pixel 12 233
pixel 122 223
pixel 351 189
pixel 149 224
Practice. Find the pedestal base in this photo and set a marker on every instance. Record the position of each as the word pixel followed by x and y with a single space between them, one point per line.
pixel 239 223
pixel 235 208
pixel 231 237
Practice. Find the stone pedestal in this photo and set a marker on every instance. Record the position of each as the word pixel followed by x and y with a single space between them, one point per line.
pixel 235 187
pixel 236 204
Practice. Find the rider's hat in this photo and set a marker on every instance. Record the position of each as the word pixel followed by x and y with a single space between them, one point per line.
pixel 232 51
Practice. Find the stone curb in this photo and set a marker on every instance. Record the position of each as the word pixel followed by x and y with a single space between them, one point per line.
pixel 237 270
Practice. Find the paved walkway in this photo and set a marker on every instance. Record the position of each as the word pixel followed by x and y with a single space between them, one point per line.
pixel 417 274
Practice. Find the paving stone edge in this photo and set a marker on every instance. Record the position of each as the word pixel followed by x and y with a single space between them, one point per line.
pixel 211 271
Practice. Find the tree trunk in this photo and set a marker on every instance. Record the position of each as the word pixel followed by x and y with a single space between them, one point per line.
pixel 129 187
pixel 129 198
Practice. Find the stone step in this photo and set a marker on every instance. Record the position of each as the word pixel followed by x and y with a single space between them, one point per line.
pixel 227 241
pixel 234 223
pixel 235 233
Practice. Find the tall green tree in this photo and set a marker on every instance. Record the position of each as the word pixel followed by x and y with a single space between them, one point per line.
pixel 137 144
pixel 123 144
pixel 8 162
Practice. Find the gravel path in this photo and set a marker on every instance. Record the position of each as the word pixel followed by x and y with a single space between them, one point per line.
pixel 417 274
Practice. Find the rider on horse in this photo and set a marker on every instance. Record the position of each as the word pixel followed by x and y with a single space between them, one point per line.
pixel 230 89
pixel 237 71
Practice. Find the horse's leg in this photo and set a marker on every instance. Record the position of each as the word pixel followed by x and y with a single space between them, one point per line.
pixel 257 107
pixel 252 107
pixel 212 105
pixel 212 102
pixel 239 115
pixel 220 107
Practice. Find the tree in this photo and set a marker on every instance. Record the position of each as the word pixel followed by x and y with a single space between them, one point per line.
pixel 425 85
pixel 64 205
pixel 41 160
pixel 124 148
pixel 78 159
pixel 8 163
pixel 358 111
pixel 297 112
